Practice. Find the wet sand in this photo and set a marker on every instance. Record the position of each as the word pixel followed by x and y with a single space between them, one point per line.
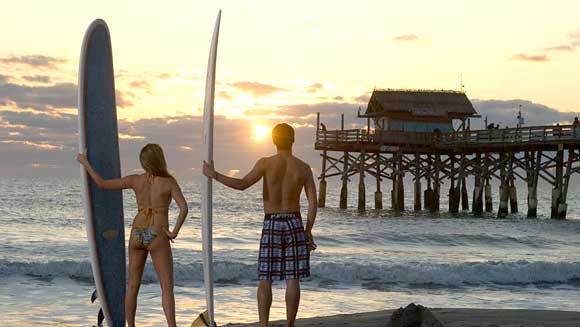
pixel 450 317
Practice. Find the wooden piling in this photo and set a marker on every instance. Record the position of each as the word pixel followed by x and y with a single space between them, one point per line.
pixel 378 193
pixel 344 188
pixel 557 190
pixel 454 193
pixel 487 188
pixel 513 194
pixel 503 188
pixel 322 188
pixel 477 207
pixel 464 194
pixel 361 184
pixel 533 160
pixel 417 202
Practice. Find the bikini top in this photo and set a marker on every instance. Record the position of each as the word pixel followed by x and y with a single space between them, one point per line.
pixel 149 211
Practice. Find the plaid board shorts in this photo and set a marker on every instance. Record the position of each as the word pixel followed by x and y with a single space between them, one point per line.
pixel 283 248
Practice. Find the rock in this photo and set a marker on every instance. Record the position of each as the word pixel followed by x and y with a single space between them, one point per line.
pixel 414 316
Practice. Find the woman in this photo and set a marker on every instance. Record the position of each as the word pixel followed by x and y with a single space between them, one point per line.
pixel 149 234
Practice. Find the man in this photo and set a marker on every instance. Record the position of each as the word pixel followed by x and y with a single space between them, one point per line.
pixel 285 245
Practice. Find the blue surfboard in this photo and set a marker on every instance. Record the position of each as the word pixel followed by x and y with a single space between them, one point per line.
pixel 98 138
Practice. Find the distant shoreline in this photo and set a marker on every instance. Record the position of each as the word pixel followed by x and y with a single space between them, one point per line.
pixel 451 317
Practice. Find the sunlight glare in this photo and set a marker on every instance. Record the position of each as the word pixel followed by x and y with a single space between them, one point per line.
pixel 260 133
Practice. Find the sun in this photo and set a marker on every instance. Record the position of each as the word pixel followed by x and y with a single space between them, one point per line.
pixel 260 133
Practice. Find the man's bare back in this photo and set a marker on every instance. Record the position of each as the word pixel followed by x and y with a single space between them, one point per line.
pixel 284 178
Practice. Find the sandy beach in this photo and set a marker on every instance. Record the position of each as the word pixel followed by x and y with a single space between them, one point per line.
pixel 450 317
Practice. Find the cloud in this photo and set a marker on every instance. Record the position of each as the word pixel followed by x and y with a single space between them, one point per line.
pixel 406 38
pixel 575 35
pixel 37 78
pixel 338 98
pixel 121 100
pixel 37 61
pixel 506 111
pixel 315 88
pixel 141 84
pixel 530 58
pixel 564 47
pixel 363 98
pixel 224 95
pixel 45 146
pixel 61 95
pixel 257 88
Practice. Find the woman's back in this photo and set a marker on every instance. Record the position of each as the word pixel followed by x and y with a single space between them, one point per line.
pixel 153 194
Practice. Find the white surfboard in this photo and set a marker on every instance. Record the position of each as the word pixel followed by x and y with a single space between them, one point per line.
pixel 206 191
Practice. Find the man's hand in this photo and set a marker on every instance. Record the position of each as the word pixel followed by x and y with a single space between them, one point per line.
pixel 82 159
pixel 311 244
pixel 208 170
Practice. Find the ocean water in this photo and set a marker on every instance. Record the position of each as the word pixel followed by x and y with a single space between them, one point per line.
pixel 364 262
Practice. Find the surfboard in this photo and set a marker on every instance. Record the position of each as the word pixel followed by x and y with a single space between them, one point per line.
pixel 98 138
pixel 206 191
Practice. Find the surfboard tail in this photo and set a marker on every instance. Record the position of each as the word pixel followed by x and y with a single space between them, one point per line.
pixel 202 320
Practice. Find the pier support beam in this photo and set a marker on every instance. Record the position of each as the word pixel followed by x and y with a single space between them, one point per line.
pixel 563 206
pixel 464 194
pixel 361 183
pixel 398 187
pixel 503 188
pixel 533 160
pixel 436 184
pixel 559 206
pixel 322 188
pixel 344 188
pixel 378 193
pixel 428 194
pixel 513 193
pixel 417 202
pixel 454 190
pixel 477 207
pixel 487 188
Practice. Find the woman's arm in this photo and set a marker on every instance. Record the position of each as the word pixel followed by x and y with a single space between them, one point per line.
pixel 108 184
pixel 177 195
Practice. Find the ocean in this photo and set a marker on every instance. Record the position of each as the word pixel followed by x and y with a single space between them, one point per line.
pixel 364 262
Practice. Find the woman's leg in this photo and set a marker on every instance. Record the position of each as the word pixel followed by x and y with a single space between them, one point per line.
pixel 137 259
pixel 163 262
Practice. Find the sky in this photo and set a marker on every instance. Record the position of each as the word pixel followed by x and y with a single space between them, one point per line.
pixel 277 61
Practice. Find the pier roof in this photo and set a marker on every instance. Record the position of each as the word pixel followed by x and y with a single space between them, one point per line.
pixel 420 103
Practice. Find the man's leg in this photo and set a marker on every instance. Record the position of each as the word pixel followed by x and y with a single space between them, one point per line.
pixel 264 301
pixel 292 300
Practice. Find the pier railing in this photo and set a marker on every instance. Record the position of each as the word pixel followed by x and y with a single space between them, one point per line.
pixel 508 136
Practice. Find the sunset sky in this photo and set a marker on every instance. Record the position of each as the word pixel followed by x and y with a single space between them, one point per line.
pixel 277 61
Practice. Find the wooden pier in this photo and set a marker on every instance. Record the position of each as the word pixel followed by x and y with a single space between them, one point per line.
pixel 527 153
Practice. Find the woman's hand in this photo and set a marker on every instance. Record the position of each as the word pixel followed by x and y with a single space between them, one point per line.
pixel 82 159
pixel 311 244
pixel 170 235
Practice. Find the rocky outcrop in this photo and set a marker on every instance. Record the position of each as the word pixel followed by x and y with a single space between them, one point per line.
pixel 414 316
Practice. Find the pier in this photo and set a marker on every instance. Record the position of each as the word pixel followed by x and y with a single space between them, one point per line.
pixel 413 136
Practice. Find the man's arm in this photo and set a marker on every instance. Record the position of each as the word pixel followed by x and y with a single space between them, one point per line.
pixel 237 183
pixel 310 189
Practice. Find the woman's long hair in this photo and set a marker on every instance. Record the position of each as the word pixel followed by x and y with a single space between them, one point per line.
pixel 153 160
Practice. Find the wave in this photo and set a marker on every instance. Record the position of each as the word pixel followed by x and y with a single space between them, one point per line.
pixel 453 275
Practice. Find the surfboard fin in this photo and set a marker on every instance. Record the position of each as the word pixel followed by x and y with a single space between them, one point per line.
pixel 94 296
pixel 100 318
pixel 202 320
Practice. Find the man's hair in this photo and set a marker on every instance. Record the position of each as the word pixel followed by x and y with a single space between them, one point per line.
pixel 283 136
